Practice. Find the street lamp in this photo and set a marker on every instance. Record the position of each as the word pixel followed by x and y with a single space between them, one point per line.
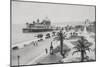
pixel 51 49
pixel 18 60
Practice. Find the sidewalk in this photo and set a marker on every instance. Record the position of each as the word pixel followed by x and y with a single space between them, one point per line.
pixel 48 59
pixel 34 61
pixel 43 56
pixel 29 53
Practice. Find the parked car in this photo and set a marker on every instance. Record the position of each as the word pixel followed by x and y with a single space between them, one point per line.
pixel 39 35
pixel 47 35
pixel 15 48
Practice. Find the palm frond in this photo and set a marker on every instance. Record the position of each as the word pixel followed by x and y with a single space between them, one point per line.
pixel 56 38
pixel 80 42
pixel 75 52
pixel 77 48
pixel 75 43
pixel 88 49
pixel 88 44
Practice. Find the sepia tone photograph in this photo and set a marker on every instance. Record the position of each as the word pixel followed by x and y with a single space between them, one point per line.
pixel 52 33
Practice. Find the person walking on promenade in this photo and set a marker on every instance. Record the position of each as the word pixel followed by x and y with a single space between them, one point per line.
pixel 36 44
pixel 46 50
pixel 33 43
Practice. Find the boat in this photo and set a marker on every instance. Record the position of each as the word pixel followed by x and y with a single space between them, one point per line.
pixel 37 26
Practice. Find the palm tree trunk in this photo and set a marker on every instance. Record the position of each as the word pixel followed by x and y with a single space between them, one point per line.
pixel 82 55
pixel 82 49
pixel 61 43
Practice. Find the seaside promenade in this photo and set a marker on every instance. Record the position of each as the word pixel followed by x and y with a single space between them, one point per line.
pixel 29 52
pixel 56 58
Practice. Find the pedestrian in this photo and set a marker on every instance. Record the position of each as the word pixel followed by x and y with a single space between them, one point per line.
pixel 36 44
pixel 33 43
pixel 46 50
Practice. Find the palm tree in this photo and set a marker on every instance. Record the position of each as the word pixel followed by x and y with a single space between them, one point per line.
pixel 82 45
pixel 33 22
pixel 66 49
pixel 60 37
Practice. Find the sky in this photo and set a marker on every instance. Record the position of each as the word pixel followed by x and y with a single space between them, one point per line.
pixel 23 12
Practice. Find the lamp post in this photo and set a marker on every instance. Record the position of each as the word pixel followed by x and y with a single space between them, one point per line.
pixel 51 49
pixel 18 60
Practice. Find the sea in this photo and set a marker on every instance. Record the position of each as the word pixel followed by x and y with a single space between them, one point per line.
pixel 17 35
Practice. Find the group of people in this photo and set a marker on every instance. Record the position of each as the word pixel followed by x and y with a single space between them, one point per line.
pixel 35 43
